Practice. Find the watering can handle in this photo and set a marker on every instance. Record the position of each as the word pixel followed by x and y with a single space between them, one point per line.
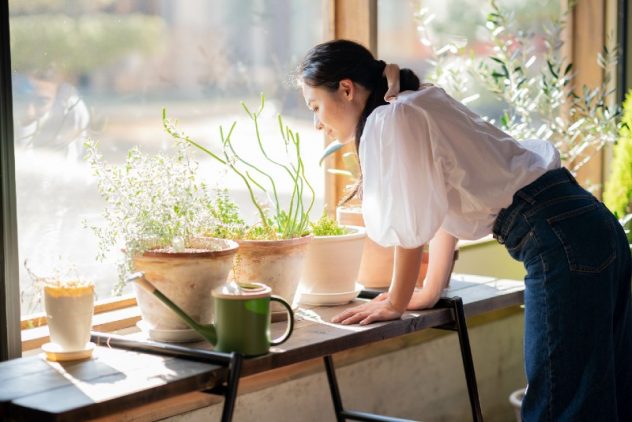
pixel 141 281
pixel 290 321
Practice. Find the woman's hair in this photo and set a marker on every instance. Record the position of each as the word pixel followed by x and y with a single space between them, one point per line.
pixel 326 64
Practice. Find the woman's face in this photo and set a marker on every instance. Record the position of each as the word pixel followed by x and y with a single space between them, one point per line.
pixel 336 112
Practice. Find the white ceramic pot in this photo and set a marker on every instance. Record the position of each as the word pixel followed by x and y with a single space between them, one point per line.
pixel 187 278
pixel 332 262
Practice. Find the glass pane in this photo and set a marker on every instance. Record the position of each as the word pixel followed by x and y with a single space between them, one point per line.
pixel 105 69
pixel 444 40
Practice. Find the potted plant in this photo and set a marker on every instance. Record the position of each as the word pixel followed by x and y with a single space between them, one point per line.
pixel 331 265
pixel 271 251
pixel 157 213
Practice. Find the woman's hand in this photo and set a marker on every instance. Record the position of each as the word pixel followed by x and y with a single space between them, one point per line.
pixel 379 309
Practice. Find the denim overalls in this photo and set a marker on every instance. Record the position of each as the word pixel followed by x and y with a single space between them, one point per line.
pixel 578 310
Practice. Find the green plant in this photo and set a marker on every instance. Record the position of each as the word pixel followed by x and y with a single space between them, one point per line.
pixel 542 100
pixel 152 201
pixel 618 193
pixel 284 223
pixel 539 96
pixel 327 226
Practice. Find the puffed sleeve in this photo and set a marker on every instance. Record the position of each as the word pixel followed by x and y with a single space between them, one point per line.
pixel 404 194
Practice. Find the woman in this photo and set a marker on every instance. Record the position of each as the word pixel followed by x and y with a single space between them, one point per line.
pixel 433 171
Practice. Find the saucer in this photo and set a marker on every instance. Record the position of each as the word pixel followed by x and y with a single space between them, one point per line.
pixel 169 336
pixel 56 354
pixel 330 299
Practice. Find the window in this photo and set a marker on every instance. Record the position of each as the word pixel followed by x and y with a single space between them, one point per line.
pixel 105 70
pixel 426 35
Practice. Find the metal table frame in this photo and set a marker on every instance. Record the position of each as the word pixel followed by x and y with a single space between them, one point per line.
pixel 459 325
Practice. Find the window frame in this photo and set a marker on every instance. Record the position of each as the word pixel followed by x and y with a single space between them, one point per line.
pixel 10 343
pixel 350 19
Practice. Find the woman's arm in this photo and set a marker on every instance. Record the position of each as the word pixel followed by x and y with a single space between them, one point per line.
pixel 389 305
pixel 439 268
pixel 400 295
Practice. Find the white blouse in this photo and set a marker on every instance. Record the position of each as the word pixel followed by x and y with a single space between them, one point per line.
pixel 430 162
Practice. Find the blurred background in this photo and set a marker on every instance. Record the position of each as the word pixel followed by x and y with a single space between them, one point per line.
pixel 104 69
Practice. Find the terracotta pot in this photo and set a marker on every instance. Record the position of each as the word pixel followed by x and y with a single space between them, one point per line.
pixel 186 278
pixel 332 262
pixel 350 216
pixel 376 266
pixel 276 263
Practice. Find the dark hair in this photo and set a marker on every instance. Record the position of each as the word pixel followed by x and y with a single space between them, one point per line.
pixel 326 64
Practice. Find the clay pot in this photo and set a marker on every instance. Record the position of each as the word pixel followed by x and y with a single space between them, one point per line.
pixel 187 278
pixel 332 262
pixel 275 263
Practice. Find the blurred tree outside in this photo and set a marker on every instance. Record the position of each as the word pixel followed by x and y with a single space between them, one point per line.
pixel 85 41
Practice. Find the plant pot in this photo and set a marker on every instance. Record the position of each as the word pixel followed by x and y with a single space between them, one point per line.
pixel 332 262
pixel 186 278
pixel 275 263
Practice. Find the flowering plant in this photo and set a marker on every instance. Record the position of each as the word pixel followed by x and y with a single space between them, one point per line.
pixel 154 201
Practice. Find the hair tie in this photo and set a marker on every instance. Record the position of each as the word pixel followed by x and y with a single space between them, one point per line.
pixel 391 73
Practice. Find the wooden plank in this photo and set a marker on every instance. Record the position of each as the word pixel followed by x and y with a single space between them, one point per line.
pixel 115 392
pixel 585 36
pixel 353 20
pixel 113 380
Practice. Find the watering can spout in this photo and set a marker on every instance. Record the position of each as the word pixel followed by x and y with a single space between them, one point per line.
pixel 207 331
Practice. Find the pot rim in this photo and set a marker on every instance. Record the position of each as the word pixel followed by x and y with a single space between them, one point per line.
pixel 231 249
pixel 358 233
pixel 273 243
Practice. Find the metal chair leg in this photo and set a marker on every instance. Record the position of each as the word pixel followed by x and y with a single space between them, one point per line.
pixel 342 414
pixel 460 326
pixel 230 394
pixel 333 388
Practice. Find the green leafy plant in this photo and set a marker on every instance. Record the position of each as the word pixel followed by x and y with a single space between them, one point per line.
pixel 283 223
pixel 153 201
pixel 539 95
pixel 542 99
pixel 327 226
pixel 618 192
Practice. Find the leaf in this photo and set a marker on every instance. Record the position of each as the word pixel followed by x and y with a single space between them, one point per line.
pixel 551 69
pixel 330 149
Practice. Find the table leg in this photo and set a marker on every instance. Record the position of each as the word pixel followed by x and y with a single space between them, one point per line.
pixel 230 396
pixel 460 326
pixel 342 414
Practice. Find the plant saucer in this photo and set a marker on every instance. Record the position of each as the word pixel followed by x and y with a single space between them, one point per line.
pixel 330 299
pixel 55 353
pixel 169 336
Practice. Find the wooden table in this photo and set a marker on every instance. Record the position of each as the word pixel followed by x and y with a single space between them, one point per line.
pixel 115 379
